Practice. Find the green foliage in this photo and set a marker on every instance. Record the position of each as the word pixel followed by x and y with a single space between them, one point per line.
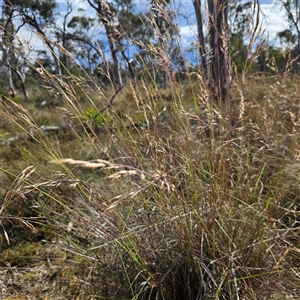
pixel 286 36
pixel 81 22
pixel 239 52
pixel 43 8
pixel 101 119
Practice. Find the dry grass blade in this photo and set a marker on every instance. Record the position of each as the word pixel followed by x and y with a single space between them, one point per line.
pixel 87 164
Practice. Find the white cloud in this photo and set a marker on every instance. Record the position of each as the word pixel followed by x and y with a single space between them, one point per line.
pixel 30 41
pixel 188 31
pixel 274 20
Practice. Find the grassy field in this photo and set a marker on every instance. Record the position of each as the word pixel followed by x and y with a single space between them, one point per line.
pixel 161 196
pixel 165 194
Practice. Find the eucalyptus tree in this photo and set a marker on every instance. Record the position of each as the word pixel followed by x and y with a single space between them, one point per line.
pixel 133 32
pixel 6 49
pixel 291 35
pixel 62 39
pixel 39 15
pixel 80 40
pixel 13 54
pixel 107 16
pixel 239 18
pixel 215 55
pixel 128 32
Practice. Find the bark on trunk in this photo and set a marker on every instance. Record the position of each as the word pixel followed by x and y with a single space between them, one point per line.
pixel 116 72
pixel 23 85
pixel 219 46
pixel 11 83
pixel 215 56
pixel 105 15
pixel 201 40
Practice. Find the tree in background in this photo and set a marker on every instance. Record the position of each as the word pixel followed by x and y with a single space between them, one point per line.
pixel 201 40
pixel 13 54
pixel 107 15
pixel 81 41
pixel 271 61
pixel 164 45
pixel 62 38
pixel 75 38
pixel 6 48
pixel 123 28
pixel 239 17
pixel 38 15
pixel 291 35
pixel 215 55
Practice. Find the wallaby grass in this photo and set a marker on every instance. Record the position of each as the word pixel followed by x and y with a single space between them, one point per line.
pixel 164 195
pixel 183 207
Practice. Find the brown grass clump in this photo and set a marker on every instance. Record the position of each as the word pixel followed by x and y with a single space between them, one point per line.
pixel 163 194
pixel 180 207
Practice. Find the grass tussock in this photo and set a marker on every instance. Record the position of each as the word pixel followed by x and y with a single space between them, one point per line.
pixel 165 194
pixel 183 206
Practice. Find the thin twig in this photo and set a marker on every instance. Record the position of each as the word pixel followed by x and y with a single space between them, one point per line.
pixel 109 104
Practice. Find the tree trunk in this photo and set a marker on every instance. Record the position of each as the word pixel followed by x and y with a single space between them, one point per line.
pixel 116 72
pixel 64 57
pixel 163 39
pixel 11 83
pixel 219 46
pixel 21 76
pixel 216 71
pixel 32 22
pixel 105 15
pixel 201 46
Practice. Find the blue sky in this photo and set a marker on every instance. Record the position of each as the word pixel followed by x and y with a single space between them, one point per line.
pixel 273 16
pixel 273 20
